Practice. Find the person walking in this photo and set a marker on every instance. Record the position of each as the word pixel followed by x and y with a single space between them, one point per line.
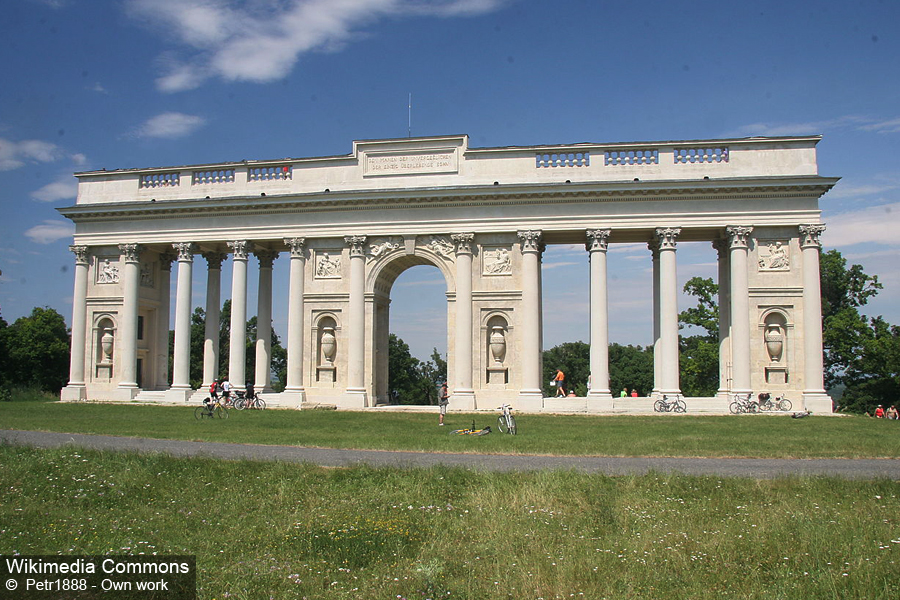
pixel 443 402
pixel 560 380
pixel 226 391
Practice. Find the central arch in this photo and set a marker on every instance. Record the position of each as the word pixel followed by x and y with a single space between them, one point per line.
pixel 379 285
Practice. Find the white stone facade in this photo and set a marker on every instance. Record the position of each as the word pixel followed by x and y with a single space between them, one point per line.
pixel 350 225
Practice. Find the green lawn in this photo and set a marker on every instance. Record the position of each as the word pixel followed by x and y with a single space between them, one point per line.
pixel 761 436
pixel 277 530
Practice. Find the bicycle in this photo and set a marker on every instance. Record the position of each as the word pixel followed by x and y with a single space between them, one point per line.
pixel 472 431
pixel 666 405
pixel 211 409
pixel 251 401
pixel 743 404
pixel 506 422
pixel 780 403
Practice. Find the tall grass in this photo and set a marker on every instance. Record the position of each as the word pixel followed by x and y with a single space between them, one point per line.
pixel 274 530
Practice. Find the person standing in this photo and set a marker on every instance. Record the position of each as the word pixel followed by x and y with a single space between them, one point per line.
pixel 443 402
pixel 623 393
pixel 226 391
pixel 634 393
pixel 879 412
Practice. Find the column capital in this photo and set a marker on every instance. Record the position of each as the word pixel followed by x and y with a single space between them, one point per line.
pixel 738 235
pixel 214 260
pixel 531 240
pixel 357 244
pixel 166 258
pixel 297 246
pixel 721 246
pixel 597 240
pixel 240 248
pixel 185 251
pixel 666 237
pixel 811 235
pixel 131 252
pixel 463 242
pixel 81 254
pixel 266 257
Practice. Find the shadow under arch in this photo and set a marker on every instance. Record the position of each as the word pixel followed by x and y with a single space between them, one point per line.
pixel 378 287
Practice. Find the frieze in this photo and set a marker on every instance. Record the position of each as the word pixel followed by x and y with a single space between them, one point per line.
pixel 327 265
pixel 773 255
pixel 497 261
pixel 107 272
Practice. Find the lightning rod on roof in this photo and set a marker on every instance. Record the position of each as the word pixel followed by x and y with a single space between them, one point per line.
pixel 409 117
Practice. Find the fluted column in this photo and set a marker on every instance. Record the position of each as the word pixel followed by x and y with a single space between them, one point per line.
pixel 181 371
pixel 213 314
pixel 597 244
pixel 463 394
pixel 294 385
pixel 530 395
pixel 237 346
pixel 131 280
pixel 263 377
pixel 668 310
pixel 162 319
pixel 738 237
pixel 724 267
pixel 814 396
pixel 653 246
pixel 355 394
pixel 76 389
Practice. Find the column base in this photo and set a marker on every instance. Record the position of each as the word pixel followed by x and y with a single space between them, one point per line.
pixel 125 393
pixel 353 398
pixel 73 393
pixel 177 395
pixel 817 402
pixel 530 401
pixel 293 398
pixel 599 401
pixel 463 400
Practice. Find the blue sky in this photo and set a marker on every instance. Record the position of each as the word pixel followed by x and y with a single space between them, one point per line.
pixel 140 83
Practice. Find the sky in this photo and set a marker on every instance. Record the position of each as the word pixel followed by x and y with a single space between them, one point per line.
pixel 118 84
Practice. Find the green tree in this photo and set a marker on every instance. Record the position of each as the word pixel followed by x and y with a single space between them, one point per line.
pixel 630 367
pixel 38 350
pixel 4 353
pixel 573 359
pixel 699 354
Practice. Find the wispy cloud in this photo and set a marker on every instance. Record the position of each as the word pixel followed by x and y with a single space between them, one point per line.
pixel 63 188
pixel 857 122
pixel 50 231
pixel 262 41
pixel 14 155
pixel 170 125
pixel 878 224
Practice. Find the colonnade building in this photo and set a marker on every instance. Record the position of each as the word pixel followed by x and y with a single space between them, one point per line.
pixel 350 225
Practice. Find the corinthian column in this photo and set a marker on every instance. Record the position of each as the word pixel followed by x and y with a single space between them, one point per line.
pixel 355 394
pixel 668 311
pixel 162 319
pixel 724 266
pixel 740 309
pixel 213 313
pixel 264 321
pixel 76 389
pixel 814 396
pixel 463 393
pixel 597 244
pixel 530 395
pixel 131 280
pixel 295 320
pixel 237 346
pixel 181 372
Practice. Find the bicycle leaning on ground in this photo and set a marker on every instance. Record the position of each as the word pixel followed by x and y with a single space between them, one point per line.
pixel 666 405
pixel 211 409
pixel 779 403
pixel 472 431
pixel 742 403
pixel 506 422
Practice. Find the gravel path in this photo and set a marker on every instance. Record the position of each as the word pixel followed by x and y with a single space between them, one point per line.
pixel 727 467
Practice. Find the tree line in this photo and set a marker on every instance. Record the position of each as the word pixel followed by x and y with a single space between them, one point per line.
pixel 862 354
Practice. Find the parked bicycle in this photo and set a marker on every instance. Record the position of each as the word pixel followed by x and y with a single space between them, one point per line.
pixel 780 403
pixel 211 409
pixel 249 399
pixel 472 431
pixel 506 422
pixel 676 404
pixel 743 403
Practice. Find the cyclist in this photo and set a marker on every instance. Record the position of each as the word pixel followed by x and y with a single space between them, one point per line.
pixel 226 391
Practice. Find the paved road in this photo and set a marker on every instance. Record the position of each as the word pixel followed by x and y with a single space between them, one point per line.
pixel 729 467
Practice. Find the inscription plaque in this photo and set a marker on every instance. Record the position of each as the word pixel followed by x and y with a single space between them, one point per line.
pixel 411 164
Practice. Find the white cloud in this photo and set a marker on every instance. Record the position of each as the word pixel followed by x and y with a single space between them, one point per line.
pixel 17 154
pixel 878 224
pixel 170 125
pixel 888 126
pixel 857 122
pixel 262 41
pixel 50 231
pixel 61 189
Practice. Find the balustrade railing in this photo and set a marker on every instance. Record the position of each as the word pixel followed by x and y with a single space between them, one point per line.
pixel 283 172
pixel 700 155
pixel 631 157
pixel 159 180
pixel 571 159
pixel 213 176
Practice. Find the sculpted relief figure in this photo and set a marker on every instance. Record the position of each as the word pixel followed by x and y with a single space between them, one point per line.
pixel 328 267
pixel 441 245
pixel 777 259
pixel 108 273
pixel 376 250
pixel 147 275
pixel 497 263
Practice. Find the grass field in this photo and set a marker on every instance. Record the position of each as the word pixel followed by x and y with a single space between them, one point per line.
pixel 276 530
pixel 761 436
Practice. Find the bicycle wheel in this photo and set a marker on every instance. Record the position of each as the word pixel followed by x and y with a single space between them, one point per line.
pixel 221 412
pixel 239 404
pixel 753 408
pixel 735 408
pixel 512 425
pixel 659 406
pixel 680 406
pixel 784 404
pixel 200 413
pixel 260 404
pixel 501 424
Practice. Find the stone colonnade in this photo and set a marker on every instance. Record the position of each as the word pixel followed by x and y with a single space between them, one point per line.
pixel 735 332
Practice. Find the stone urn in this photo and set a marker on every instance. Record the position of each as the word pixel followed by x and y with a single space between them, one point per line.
pixel 774 342
pixel 106 347
pixel 498 344
pixel 329 344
